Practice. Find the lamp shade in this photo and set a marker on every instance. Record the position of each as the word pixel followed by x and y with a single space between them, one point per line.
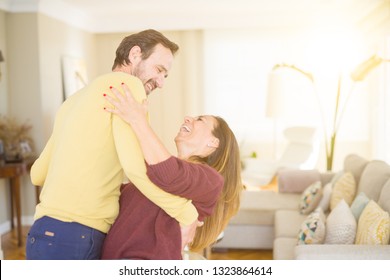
pixel 1 57
pixel 276 91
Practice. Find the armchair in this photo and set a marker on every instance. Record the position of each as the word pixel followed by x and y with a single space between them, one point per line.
pixel 301 152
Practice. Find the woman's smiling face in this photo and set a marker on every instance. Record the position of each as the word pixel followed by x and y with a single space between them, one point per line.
pixel 195 137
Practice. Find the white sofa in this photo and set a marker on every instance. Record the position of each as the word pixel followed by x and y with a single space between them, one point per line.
pixel 271 219
pixel 372 178
pixel 253 226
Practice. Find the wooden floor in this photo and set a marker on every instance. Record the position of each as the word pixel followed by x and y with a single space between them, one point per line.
pixel 11 250
pixel 238 254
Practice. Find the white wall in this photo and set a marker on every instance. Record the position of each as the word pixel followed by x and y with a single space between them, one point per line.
pixel 56 40
pixel 4 193
pixel 3 66
pixel 34 81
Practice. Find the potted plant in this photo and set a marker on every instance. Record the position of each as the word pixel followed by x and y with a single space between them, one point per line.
pixel 16 140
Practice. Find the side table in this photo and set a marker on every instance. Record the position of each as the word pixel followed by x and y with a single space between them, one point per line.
pixel 13 172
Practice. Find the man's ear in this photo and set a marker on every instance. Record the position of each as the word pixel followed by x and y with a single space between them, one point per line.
pixel 135 54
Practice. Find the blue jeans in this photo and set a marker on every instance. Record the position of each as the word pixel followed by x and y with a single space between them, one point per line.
pixel 52 239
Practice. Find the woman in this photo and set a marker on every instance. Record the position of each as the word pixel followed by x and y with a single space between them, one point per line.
pixel 206 170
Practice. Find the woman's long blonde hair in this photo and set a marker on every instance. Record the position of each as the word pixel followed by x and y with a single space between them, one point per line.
pixel 226 160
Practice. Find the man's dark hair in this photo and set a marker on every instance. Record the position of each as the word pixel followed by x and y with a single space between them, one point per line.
pixel 146 40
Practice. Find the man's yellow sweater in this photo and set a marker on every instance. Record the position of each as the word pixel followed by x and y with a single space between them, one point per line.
pixel 87 157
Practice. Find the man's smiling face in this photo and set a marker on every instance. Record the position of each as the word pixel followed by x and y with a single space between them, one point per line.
pixel 154 70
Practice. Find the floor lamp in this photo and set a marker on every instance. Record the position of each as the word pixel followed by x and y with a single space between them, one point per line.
pixel 357 75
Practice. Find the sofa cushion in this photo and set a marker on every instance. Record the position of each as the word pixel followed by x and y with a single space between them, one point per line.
pixel 259 207
pixel 313 228
pixel 326 177
pixel 373 178
pixel 373 225
pixel 355 164
pixel 342 252
pixel 358 205
pixel 296 181
pixel 288 223
pixel 310 198
pixel 344 188
pixel 284 248
pixel 384 198
pixel 340 225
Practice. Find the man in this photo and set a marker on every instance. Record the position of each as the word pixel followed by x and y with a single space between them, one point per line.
pixel 90 152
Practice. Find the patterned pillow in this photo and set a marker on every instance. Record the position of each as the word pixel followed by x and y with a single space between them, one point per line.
pixel 358 204
pixel 326 194
pixel 344 188
pixel 340 225
pixel 336 177
pixel 313 228
pixel 310 198
pixel 373 225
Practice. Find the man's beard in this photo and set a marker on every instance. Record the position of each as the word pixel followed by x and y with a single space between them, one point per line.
pixel 149 85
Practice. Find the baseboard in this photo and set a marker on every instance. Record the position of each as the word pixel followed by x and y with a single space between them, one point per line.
pixel 6 226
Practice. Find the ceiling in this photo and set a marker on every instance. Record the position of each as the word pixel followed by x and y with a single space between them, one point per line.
pixel 104 16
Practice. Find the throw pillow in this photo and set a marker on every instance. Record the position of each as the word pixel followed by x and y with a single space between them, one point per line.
pixel 373 225
pixel 344 188
pixel 312 230
pixel 310 198
pixel 355 164
pixel 336 177
pixel 326 194
pixel 373 178
pixel 384 198
pixel 340 225
pixel 358 205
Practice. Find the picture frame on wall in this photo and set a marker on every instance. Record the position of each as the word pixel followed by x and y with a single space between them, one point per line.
pixel 74 72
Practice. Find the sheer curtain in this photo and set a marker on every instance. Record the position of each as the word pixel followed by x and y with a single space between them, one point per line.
pixel 387 102
pixel 380 104
pixel 237 65
pixel 385 147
